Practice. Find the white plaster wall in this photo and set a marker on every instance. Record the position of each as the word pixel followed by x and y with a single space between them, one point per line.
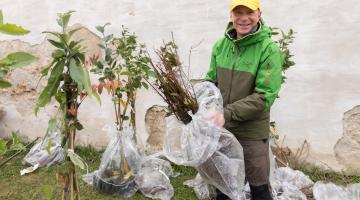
pixel 323 84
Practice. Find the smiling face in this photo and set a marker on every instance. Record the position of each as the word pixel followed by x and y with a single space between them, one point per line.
pixel 244 20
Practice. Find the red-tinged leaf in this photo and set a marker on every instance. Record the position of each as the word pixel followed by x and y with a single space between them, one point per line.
pixel 114 85
pixel 72 111
pixel 108 85
pixel 93 87
pixel 100 87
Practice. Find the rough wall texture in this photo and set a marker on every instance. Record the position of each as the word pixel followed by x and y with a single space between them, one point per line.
pixel 17 103
pixel 319 89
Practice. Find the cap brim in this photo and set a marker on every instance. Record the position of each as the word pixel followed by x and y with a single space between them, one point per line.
pixel 250 6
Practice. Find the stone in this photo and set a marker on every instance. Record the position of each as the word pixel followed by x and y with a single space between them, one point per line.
pixel 155 125
pixel 347 149
pixel 17 103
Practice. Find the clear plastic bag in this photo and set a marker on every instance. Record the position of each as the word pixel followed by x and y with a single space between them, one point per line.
pixel 194 143
pixel 287 183
pixel 330 191
pixel 202 189
pixel 225 168
pixel 293 177
pixel 119 164
pixel 212 150
pixel 153 178
pixel 38 154
pixel 286 191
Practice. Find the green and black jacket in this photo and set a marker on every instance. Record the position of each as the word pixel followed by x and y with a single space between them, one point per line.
pixel 248 73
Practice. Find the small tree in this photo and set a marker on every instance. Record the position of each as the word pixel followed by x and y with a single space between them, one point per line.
pixel 13 60
pixel 284 41
pixel 69 83
pixel 123 70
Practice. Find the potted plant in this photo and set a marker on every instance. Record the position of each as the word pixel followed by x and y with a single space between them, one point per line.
pixel 69 84
pixel 123 70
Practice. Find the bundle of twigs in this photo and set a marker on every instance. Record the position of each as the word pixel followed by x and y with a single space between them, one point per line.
pixel 172 84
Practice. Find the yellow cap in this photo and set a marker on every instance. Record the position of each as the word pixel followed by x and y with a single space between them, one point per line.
pixel 252 4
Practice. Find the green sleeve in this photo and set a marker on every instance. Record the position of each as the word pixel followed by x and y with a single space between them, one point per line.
pixel 269 76
pixel 211 74
pixel 267 87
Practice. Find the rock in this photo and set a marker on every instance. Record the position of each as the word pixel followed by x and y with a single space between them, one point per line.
pixel 347 149
pixel 18 101
pixel 155 125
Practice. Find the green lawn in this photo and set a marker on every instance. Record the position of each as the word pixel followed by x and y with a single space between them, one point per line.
pixel 31 186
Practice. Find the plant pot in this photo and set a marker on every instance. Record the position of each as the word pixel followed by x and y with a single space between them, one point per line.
pixel 121 188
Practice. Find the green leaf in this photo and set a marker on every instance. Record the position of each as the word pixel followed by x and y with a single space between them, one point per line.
pixel 74 43
pixel 15 139
pixel 64 18
pixel 51 124
pixel 82 78
pixel 77 74
pixel 20 59
pixel 126 73
pixel 48 191
pixel 60 98
pixel 108 38
pixel 56 34
pixel 100 29
pixel 4 84
pixel 78 126
pixel 1 17
pixel 58 54
pixel 73 31
pixel 13 29
pixel 145 85
pixel 57 44
pixel 152 74
pixel 52 85
pixel 3 73
pixel 76 159
pixel 48 147
pixel 3 146
pixel 16 144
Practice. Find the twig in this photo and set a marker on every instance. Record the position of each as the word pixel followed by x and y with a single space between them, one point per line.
pixel 17 153
pixel 192 47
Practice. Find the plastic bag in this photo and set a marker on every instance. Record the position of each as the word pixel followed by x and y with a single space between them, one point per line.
pixel 293 177
pixel 153 178
pixel 225 168
pixel 194 143
pixel 286 191
pixel 287 183
pixel 202 189
pixel 212 150
pixel 330 191
pixel 119 164
pixel 89 177
pixel 38 154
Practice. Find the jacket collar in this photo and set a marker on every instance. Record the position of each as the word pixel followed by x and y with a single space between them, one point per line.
pixel 253 37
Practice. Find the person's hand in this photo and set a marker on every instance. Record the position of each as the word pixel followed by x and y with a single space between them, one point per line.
pixel 217 118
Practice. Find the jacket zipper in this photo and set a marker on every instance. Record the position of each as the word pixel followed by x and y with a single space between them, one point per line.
pixel 232 71
pixel 236 58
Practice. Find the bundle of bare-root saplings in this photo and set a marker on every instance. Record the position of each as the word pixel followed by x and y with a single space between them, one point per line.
pixel 191 138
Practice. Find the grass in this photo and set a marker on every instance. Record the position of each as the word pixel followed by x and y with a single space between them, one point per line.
pixel 317 174
pixel 32 186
